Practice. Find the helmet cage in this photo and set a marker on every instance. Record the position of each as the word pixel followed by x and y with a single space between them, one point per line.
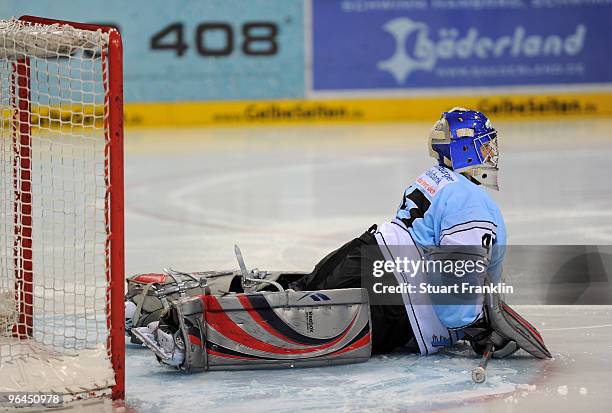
pixel 488 153
pixel 472 152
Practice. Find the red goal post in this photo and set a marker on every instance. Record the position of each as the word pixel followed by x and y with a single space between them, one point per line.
pixel 33 108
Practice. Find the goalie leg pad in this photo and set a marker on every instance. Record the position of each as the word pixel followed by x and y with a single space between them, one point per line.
pixel 268 330
pixel 506 330
pixel 513 326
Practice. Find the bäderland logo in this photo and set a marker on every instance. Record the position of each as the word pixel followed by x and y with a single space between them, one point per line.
pixel 452 44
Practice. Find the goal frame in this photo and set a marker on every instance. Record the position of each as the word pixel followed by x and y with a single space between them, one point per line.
pixel 114 202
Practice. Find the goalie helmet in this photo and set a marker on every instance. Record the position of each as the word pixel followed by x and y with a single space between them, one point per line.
pixel 465 141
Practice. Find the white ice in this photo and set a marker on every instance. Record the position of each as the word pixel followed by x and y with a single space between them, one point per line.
pixel 288 195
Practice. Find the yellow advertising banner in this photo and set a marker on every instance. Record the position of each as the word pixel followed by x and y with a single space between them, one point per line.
pixel 364 110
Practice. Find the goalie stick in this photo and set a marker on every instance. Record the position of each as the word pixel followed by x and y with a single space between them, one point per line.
pixel 479 374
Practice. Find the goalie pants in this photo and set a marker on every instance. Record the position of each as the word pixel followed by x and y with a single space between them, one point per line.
pixel 342 269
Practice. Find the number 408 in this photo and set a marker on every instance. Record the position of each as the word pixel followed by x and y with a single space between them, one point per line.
pixel 258 39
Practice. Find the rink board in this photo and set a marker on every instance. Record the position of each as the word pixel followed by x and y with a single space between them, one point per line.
pixel 388 109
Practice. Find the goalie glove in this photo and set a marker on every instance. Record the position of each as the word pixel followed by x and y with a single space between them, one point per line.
pixel 506 330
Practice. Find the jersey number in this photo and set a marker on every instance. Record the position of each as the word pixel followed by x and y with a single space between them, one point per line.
pixel 487 240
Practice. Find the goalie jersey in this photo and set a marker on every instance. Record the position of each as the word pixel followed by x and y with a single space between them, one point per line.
pixel 443 208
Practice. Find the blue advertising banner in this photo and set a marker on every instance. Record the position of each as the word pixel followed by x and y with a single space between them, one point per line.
pixel 185 50
pixel 413 44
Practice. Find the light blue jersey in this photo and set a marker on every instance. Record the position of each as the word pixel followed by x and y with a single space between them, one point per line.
pixel 442 208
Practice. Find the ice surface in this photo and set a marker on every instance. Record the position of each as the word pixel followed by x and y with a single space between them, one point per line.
pixel 579 372
pixel 288 195
pixel 386 383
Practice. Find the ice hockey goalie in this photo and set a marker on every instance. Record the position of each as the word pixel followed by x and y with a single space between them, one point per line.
pixel 248 319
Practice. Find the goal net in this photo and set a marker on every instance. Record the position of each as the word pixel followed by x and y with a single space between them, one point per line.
pixel 61 208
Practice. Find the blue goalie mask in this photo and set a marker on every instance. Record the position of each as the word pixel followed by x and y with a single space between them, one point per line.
pixel 466 142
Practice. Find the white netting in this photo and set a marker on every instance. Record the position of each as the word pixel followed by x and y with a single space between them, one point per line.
pixel 18 39
pixel 53 205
